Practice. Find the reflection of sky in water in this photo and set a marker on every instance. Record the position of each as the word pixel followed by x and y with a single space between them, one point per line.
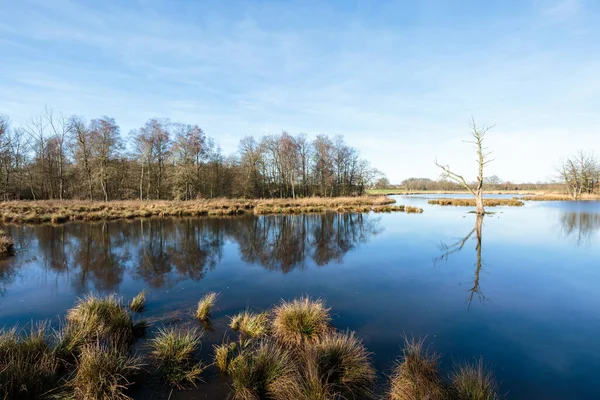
pixel 536 320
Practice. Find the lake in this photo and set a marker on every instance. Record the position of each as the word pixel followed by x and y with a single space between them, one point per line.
pixel 520 289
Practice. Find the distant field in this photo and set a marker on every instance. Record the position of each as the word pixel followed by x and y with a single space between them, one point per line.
pixel 383 192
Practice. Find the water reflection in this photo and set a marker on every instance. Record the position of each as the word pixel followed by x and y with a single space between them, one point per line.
pixel 581 226
pixel 450 249
pixel 162 252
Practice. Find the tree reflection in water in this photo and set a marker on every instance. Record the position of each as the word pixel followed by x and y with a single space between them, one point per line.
pixel 162 252
pixel 582 226
pixel 458 246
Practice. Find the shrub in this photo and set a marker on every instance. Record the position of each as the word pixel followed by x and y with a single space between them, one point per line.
pixel 416 376
pixel 301 320
pixel 205 305
pixel 6 244
pixel 103 373
pixel 175 353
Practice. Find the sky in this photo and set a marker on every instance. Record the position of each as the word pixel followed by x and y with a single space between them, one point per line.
pixel 399 79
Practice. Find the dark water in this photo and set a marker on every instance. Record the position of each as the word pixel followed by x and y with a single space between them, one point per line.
pixel 519 287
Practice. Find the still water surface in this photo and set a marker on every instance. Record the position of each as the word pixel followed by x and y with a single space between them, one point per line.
pixel 519 288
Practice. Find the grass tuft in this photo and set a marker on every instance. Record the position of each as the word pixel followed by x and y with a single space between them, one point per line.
pixel 416 376
pixel 301 320
pixel 474 382
pixel 471 202
pixel 100 319
pixel 7 244
pixel 103 373
pixel 205 305
pixel 224 354
pixel 138 302
pixel 175 353
pixel 344 364
pixel 28 365
pixel 251 325
pixel 262 372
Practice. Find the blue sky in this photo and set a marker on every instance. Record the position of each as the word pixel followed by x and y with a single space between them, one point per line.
pixel 400 80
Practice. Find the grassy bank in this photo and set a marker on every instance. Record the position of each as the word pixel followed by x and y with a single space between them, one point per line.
pixel 391 192
pixel 471 202
pixel 561 197
pixel 71 210
pixel 291 351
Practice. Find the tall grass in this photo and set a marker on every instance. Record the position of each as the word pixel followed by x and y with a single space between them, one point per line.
pixel 28 364
pixel 474 382
pixel 103 373
pixel 262 371
pixel 138 302
pixel 224 354
pixel 301 320
pixel 416 376
pixel 6 244
pixel 100 319
pixel 205 305
pixel 175 352
pixel 251 325
pixel 343 365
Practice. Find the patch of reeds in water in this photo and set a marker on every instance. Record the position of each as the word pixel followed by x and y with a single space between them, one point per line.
pixel 138 302
pixel 205 305
pixel 301 320
pixel 250 324
pixel 175 353
pixel 7 244
pixel 471 202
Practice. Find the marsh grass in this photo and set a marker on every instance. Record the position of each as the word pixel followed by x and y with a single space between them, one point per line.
pixel 7 244
pixel 100 319
pixel 138 303
pixel 29 368
pixel 205 305
pixel 471 202
pixel 263 371
pixel 473 382
pixel 251 325
pixel 301 320
pixel 52 211
pixel 103 373
pixel 224 353
pixel 175 352
pixel 343 365
pixel 413 210
pixel 416 376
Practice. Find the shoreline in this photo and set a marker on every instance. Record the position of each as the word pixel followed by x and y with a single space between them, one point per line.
pixel 57 211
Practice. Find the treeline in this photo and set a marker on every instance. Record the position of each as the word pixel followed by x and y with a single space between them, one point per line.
pixel 490 183
pixel 58 157
pixel 580 173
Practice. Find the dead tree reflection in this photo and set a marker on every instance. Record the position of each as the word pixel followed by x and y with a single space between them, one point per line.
pixel 475 290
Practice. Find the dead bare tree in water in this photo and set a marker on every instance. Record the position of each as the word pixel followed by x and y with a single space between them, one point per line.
pixel 483 159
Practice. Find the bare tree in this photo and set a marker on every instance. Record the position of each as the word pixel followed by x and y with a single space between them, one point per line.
pixel 580 173
pixel 483 159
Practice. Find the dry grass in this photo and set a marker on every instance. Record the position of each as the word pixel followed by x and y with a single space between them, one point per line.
pixel 54 211
pixel 416 376
pixel 263 371
pixel 138 302
pixel 251 325
pixel 301 320
pixel 103 373
pixel 102 319
pixel 474 382
pixel 562 197
pixel 28 365
pixel 471 202
pixel 343 365
pixel 413 210
pixel 224 354
pixel 6 244
pixel 175 352
pixel 205 305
